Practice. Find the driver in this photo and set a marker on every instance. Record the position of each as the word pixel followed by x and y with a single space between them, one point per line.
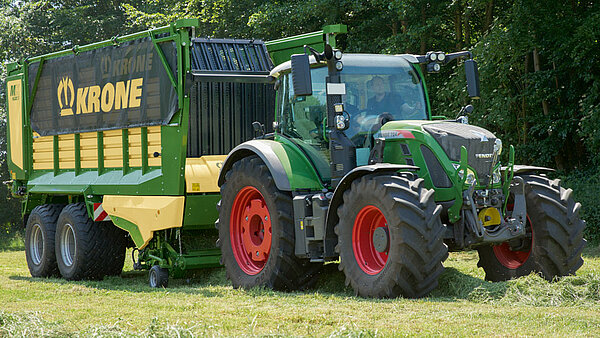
pixel 382 101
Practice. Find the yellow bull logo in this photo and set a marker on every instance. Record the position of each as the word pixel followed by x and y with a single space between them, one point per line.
pixel 65 91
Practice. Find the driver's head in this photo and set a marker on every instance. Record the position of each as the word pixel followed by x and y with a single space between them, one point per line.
pixel 378 85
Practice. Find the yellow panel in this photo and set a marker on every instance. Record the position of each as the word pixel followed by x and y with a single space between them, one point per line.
pixel 66 151
pixel 43 152
pixel 202 174
pixel 149 213
pixel 15 117
pixel 88 150
pixel 113 153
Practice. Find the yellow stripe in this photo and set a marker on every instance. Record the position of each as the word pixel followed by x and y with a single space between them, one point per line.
pixel 43 149
pixel 15 120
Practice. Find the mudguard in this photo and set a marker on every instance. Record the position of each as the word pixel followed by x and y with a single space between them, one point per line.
pixel 288 165
pixel 521 169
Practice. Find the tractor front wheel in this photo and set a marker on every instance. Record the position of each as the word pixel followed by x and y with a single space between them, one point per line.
pixel 390 237
pixel 555 236
pixel 256 229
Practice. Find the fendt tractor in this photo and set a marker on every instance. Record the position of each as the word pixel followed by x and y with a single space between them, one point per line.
pixel 299 154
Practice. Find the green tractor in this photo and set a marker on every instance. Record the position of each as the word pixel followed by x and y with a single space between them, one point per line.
pixel 358 169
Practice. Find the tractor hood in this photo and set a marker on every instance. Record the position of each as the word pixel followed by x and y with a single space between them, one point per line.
pixel 451 136
pixel 478 141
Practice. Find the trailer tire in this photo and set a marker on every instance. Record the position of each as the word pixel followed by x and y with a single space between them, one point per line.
pixel 39 240
pixel 555 246
pixel 115 258
pixel 390 237
pixel 86 249
pixel 255 216
pixel 158 277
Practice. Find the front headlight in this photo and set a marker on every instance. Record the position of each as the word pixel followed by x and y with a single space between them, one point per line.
pixel 496 176
pixel 498 146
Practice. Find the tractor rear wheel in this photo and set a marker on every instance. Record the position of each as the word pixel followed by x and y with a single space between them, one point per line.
pixel 86 249
pixel 39 240
pixel 556 236
pixel 256 229
pixel 390 237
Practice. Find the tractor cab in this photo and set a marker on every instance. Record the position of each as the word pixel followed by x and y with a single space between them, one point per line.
pixel 374 89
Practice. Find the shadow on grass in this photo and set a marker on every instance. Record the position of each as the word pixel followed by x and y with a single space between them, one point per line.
pixel 206 282
pixel 330 282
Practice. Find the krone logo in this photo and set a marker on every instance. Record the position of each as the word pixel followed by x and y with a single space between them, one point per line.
pixel 65 91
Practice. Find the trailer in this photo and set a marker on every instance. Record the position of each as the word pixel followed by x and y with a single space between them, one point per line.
pixel 270 159
pixel 119 144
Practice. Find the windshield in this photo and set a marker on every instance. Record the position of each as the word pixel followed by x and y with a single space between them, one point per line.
pixel 380 89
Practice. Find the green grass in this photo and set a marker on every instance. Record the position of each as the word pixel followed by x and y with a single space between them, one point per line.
pixel 206 305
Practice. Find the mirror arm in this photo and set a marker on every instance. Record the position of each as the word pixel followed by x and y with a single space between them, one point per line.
pixel 318 56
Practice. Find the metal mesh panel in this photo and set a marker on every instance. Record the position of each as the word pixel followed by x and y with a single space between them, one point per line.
pixel 221 115
pixel 230 55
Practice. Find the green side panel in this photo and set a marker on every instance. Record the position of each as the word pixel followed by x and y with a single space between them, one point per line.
pixel 300 172
pixel 200 211
pixel 111 182
pixel 131 228
pixel 280 50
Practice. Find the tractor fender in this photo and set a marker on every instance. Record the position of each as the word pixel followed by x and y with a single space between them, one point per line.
pixel 336 200
pixel 264 150
pixel 522 169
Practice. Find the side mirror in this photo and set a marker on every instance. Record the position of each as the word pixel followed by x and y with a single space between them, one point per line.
pixel 472 78
pixel 301 75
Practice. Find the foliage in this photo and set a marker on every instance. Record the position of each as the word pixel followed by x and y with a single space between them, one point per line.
pixel 539 60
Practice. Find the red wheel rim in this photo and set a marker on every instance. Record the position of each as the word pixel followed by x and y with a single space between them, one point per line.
pixel 513 259
pixel 250 230
pixel 368 258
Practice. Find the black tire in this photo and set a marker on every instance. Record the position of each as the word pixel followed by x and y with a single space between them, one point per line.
pixel 280 269
pixel 116 250
pixel 158 277
pixel 39 240
pixel 86 249
pixel 415 246
pixel 555 248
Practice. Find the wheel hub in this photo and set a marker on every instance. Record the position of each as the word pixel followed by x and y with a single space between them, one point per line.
pixel 381 239
pixel 256 230
pixel 67 245
pixel 36 244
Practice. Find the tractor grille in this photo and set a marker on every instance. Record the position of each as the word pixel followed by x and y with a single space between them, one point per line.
pixel 451 136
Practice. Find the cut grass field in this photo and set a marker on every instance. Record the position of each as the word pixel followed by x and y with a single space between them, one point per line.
pixel 206 305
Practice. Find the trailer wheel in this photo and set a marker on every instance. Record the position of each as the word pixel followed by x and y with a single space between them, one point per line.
pixel 158 277
pixel 556 242
pixel 256 230
pixel 390 237
pixel 86 249
pixel 39 240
